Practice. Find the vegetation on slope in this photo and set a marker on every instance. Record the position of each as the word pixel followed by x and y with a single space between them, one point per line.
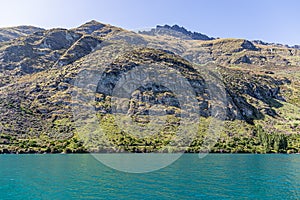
pixel 38 72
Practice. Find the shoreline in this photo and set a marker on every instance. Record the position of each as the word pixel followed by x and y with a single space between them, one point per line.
pixel 107 152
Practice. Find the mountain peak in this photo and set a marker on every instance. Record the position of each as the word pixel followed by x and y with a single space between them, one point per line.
pixel 90 27
pixel 92 22
pixel 176 31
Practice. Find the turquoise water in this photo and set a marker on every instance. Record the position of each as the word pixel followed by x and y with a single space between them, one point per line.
pixel 217 176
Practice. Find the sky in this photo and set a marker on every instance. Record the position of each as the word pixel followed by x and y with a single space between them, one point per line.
pixel 268 20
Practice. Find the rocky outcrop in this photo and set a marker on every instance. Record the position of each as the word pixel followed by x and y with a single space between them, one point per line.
pixel 243 59
pixel 249 45
pixel 82 47
pixel 176 31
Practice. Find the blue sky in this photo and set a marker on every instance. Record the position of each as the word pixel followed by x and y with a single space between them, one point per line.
pixel 268 20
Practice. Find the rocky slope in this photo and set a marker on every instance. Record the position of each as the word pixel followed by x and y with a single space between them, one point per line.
pixel 7 34
pixel 251 89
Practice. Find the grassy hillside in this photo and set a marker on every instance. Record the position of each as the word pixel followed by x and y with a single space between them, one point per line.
pixel 58 93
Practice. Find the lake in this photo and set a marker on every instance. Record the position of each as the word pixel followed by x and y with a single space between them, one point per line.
pixel 216 176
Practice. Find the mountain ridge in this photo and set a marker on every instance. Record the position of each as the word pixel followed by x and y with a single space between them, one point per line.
pixel 29 29
pixel 176 31
pixel 10 33
pixel 38 73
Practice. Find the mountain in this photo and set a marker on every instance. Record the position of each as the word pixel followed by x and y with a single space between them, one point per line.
pixel 7 34
pixel 60 87
pixel 176 31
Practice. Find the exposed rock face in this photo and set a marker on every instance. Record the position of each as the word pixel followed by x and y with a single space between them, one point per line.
pixel 82 47
pixel 248 45
pixel 176 31
pixel 154 93
pixel 43 50
pixel 242 86
pixel 243 59
pixel 38 51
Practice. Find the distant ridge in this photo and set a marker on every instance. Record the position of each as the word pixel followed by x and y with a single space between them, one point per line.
pixel 9 33
pixel 260 42
pixel 183 33
pixel 176 31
